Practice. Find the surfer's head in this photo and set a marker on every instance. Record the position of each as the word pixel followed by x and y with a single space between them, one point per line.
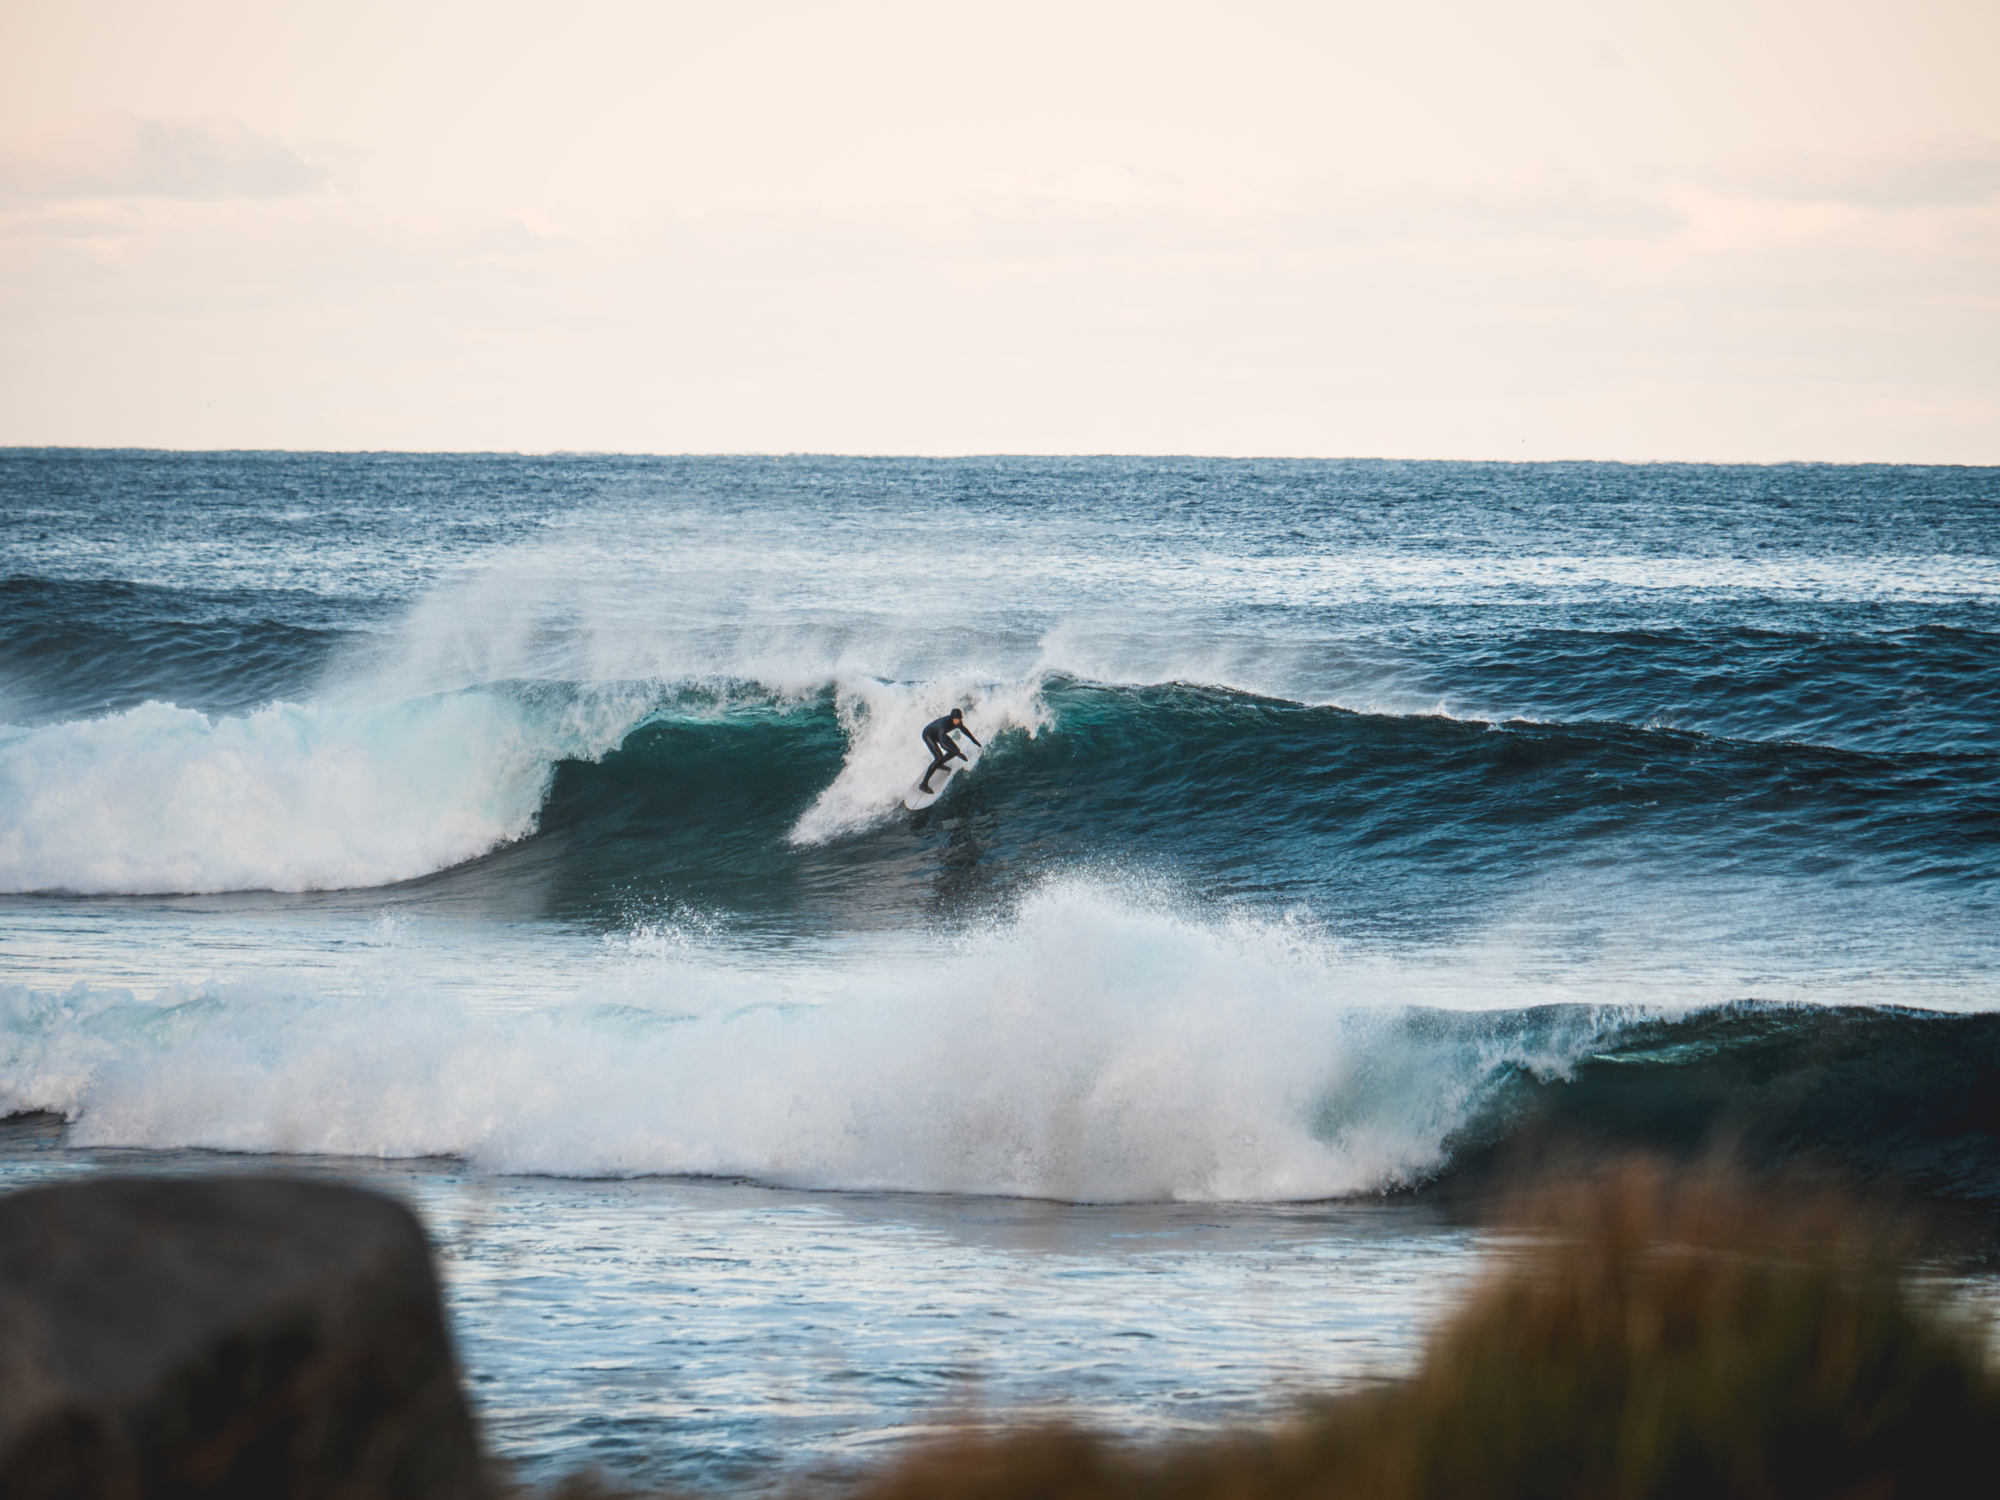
pixel 958 716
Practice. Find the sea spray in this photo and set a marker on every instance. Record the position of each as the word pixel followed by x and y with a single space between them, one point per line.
pixel 884 723
pixel 1097 1046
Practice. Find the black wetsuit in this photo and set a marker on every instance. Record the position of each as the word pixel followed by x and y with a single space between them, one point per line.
pixel 938 740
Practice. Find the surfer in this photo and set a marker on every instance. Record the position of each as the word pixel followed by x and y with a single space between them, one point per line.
pixel 938 740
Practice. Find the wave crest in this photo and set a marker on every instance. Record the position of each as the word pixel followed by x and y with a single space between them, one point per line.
pixel 292 797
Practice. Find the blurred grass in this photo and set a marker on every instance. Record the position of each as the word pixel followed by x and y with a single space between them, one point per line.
pixel 1642 1331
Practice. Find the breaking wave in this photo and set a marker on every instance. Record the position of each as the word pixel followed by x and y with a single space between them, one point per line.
pixel 1097 1046
pixel 714 783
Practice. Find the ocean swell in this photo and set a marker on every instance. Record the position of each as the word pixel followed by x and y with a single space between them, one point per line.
pixel 735 786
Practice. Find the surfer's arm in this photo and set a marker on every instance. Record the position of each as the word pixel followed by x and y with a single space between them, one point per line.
pixel 970 735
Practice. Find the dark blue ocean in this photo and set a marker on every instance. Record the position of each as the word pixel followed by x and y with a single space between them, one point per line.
pixel 526 836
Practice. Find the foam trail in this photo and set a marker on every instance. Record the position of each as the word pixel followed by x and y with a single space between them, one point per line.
pixel 884 726
pixel 1093 1049
pixel 291 797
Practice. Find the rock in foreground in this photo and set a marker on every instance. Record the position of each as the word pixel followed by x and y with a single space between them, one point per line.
pixel 224 1337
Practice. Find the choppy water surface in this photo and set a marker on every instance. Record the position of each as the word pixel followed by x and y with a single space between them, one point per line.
pixel 1338 823
pixel 703 1334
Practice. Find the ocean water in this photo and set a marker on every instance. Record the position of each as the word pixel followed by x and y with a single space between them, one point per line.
pixel 525 836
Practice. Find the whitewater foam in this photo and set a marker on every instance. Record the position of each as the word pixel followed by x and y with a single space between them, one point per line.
pixel 883 722
pixel 1095 1047
pixel 290 797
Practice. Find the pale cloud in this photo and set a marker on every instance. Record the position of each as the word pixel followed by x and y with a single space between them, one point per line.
pixel 1493 212
pixel 1103 209
pixel 106 153
pixel 1942 173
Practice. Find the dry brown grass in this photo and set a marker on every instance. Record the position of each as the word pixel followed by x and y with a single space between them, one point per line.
pixel 1673 1333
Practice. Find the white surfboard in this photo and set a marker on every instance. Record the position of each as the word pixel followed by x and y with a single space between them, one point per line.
pixel 916 799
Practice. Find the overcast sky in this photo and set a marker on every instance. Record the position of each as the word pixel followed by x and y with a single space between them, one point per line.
pixel 1705 229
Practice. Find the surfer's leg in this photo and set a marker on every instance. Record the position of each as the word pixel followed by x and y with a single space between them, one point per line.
pixel 937 759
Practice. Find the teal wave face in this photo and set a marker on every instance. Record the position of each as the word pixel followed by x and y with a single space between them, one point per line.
pixel 1903 1101
pixel 1389 821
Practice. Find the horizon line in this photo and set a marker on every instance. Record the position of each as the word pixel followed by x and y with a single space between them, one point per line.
pixel 822 455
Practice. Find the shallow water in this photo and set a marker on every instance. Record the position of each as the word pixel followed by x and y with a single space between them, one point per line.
pixel 706 1333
